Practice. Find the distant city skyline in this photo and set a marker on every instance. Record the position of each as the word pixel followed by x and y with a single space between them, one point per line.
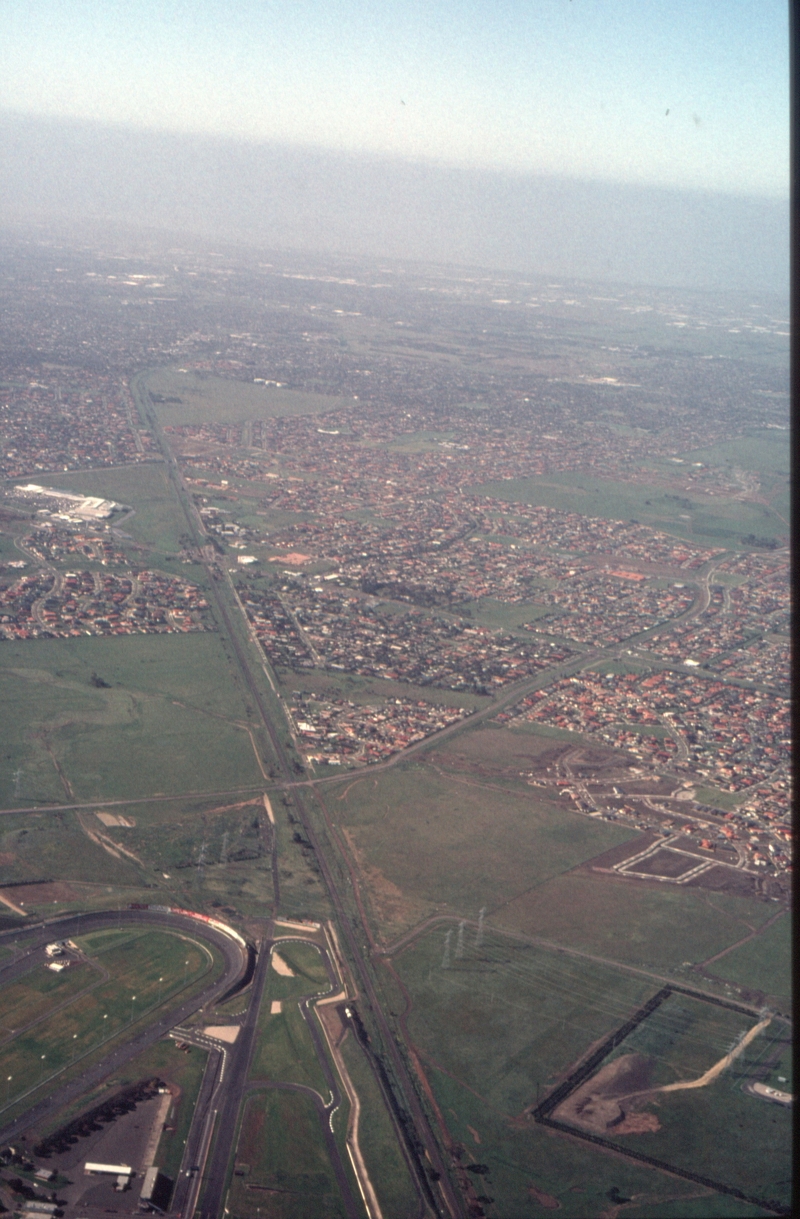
pixel 684 96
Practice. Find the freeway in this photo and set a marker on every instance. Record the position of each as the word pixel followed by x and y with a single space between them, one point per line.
pixel 32 941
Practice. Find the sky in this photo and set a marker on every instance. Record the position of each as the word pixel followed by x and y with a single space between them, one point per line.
pixel 668 93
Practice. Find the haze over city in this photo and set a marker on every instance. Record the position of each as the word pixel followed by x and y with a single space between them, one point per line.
pixel 629 141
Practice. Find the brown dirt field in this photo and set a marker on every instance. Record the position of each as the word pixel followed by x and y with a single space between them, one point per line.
pixel 666 863
pixel 37 895
pixel 725 880
pixel 595 1105
pixel 618 853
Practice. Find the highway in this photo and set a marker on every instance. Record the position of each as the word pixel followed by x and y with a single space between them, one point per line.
pixel 32 941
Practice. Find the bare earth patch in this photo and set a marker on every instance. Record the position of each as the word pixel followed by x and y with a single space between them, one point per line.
pixel 544 1199
pixel 596 1105
pixel 280 966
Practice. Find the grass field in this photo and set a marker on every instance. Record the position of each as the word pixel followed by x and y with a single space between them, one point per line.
pixel 426 842
pixel 625 922
pixel 683 1038
pixel 209 399
pixel 719 1131
pixel 763 963
pixel 713 522
pixel 508 1018
pixel 532 1171
pixel 496 1028
pixel 171 719
pixel 282 1151
pixel 138 971
pixel 763 450
pixel 384 1160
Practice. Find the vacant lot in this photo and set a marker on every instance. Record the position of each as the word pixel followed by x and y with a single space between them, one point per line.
pixel 283 1162
pixel 426 843
pixel 170 718
pixel 209 399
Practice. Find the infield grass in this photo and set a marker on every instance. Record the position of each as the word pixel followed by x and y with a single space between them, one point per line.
pixel 287 1173
pixel 142 971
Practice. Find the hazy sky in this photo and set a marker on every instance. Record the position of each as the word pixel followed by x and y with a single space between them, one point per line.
pixel 682 93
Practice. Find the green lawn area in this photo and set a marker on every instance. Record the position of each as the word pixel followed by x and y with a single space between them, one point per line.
pixel 625 922
pixel 763 963
pixel 286 1170
pixel 172 718
pixel 205 398
pixel 425 842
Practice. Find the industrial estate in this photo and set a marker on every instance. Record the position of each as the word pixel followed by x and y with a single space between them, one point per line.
pixel 395 787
